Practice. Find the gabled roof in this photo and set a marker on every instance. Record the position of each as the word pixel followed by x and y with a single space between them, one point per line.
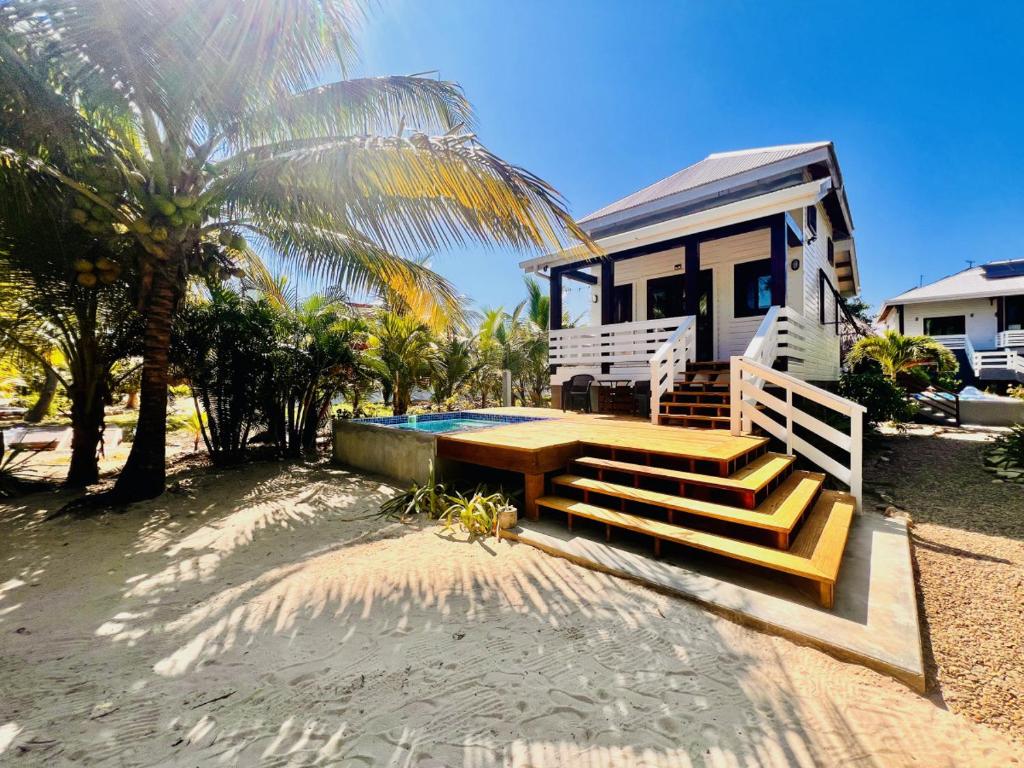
pixel 983 281
pixel 716 167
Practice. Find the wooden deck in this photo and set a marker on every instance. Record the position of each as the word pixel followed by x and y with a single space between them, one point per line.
pixel 536 447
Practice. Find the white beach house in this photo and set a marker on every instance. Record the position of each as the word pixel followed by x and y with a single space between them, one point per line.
pixel 978 313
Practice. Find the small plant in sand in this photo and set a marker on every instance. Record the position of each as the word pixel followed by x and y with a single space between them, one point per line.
pixel 430 499
pixel 480 514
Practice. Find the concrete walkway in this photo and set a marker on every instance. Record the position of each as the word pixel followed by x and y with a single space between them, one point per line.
pixel 874 623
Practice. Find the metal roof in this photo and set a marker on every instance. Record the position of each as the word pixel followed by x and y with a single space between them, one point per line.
pixel 714 168
pixel 975 282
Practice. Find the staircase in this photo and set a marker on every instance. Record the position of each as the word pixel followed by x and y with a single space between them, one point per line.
pixel 765 513
pixel 701 399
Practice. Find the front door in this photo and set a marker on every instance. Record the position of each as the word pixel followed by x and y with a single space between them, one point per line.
pixel 706 316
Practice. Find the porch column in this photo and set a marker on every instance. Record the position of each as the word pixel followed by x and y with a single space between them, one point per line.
pixel 780 257
pixel 607 290
pixel 691 277
pixel 555 304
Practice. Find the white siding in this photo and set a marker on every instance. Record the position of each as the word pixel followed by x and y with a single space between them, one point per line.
pixel 979 317
pixel 732 334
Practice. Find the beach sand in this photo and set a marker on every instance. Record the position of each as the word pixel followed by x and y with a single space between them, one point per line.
pixel 265 616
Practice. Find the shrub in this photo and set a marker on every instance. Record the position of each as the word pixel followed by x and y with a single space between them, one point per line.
pixel 430 499
pixel 883 398
pixel 480 514
pixel 1012 444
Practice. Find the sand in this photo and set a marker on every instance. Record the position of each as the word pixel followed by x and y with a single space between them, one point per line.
pixel 265 617
pixel 968 538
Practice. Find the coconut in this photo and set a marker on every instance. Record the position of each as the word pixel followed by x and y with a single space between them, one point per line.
pixel 83 265
pixel 141 226
pixel 184 201
pixel 159 234
pixel 78 215
pixel 107 277
pixel 238 243
pixel 166 207
pixel 88 279
pixel 103 264
pixel 176 219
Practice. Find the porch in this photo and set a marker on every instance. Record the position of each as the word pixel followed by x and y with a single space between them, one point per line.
pixel 1003 362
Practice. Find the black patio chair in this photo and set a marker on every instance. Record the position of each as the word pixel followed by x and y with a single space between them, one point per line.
pixel 577 390
pixel 642 398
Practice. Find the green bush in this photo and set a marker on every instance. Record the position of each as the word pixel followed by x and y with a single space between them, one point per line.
pixel 1012 444
pixel 884 399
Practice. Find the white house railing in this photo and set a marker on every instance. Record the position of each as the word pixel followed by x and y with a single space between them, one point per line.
pixel 623 344
pixel 1010 339
pixel 962 341
pixel 998 358
pixel 750 401
pixel 670 360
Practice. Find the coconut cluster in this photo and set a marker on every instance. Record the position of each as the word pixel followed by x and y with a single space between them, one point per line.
pixel 92 273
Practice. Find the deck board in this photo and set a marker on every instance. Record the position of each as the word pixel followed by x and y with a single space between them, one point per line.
pixel 542 446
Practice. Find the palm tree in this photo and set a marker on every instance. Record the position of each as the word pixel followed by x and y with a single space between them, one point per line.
pixel 454 364
pixel 50 316
pixel 896 353
pixel 404 354
pixel 181 124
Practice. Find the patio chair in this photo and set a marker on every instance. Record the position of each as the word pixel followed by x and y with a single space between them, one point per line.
pixel 577 390
pixel 642 398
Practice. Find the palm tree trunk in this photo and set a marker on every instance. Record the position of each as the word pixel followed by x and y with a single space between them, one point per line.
pixel 45 400
pixel 144 475
pixel 86 431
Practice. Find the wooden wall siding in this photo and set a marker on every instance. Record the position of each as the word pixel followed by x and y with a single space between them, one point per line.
pixel 981 328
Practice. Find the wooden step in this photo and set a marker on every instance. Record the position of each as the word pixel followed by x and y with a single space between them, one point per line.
pixel 685 420
pixel 710 409
pixel 816 554
pixel 778 514
pixel 697 395
pixel 748 480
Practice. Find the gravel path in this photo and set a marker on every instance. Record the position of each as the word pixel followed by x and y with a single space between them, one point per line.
pixel 969 554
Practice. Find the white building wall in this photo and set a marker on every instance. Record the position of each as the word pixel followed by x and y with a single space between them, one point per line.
pixel 979 318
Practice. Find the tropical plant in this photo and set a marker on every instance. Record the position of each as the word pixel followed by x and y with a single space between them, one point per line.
pixel 318 356
pixel 75 332
pixel 224 348
pixel 480 513
pixel 1011 445
pixel 186 126
pixel 430 499
pixel 454 362
pixel 883 398
pixel 402 351
pixel 896 353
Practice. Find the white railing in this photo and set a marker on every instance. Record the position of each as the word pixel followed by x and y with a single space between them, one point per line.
pixel 623 344
pixel 764 347
pixel 998 358
pixel 953 341
pixel 750 402
pixel 1010 339
pixel 670 360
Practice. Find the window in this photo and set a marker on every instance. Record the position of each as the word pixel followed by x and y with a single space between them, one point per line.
pixel 954 325
pixel 812 222
pixel 622 304
pixel 1014 313
pixel 666 297
pixel 752 288
pixel 831 252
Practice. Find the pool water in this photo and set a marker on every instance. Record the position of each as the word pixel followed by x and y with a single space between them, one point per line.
pixel 446 425
pixel 453 421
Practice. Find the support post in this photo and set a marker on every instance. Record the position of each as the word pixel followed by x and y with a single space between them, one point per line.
pixel 779 257
pixel 534 490
pixel 506 387
pixel 555 305
pixel 607 291
pixel 691 277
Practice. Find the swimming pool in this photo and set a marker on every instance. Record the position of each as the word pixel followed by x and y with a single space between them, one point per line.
pixel 440 423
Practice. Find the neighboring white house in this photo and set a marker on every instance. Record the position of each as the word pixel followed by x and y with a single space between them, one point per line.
pixel 978 313
pixel 737 238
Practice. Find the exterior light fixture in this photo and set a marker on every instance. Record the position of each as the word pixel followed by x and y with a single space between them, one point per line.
pixel 794 264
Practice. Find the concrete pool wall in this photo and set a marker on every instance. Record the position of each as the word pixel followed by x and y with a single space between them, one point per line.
pixel 402 455
pixel 992 412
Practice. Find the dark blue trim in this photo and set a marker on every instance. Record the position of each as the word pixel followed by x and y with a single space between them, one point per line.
pixel 779 259
pixel 580 277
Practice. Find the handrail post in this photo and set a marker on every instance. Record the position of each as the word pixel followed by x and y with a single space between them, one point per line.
pixel 735 375
pixel 789 421
pixel 857 457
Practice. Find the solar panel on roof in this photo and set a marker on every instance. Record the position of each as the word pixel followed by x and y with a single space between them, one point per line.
pixel 1004 269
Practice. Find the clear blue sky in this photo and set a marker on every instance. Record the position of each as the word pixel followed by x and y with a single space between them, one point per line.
pixel 923 102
